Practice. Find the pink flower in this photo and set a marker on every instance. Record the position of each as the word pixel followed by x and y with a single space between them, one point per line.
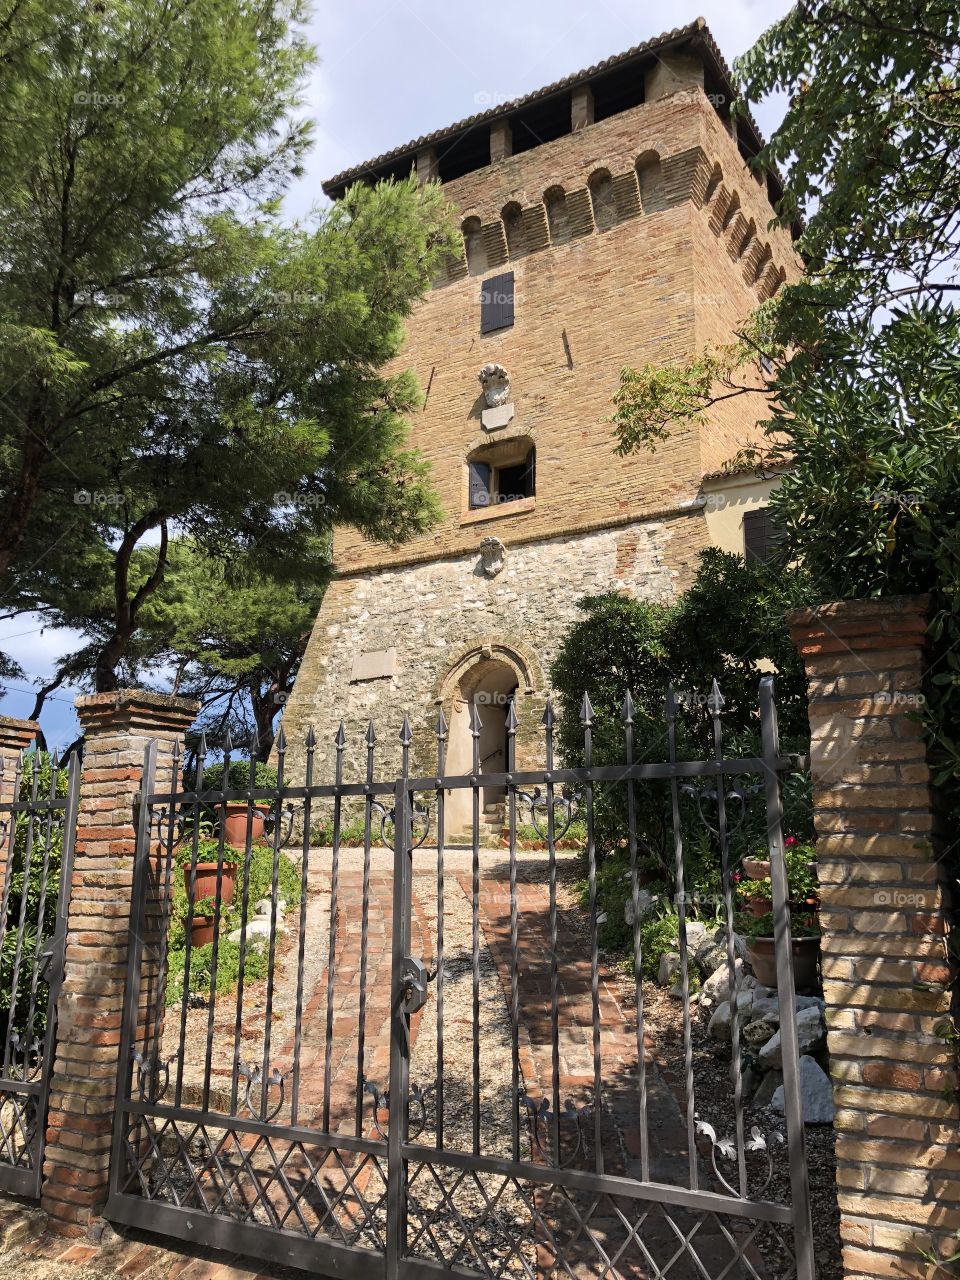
pixel 790 840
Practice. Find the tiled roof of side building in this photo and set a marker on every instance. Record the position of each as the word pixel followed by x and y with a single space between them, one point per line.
pixel 694 38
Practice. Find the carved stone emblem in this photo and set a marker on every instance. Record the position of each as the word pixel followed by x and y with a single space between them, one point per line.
pixel 493 554
pixel 496 385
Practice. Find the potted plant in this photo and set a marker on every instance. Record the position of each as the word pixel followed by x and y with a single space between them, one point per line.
pixel 201 925
pixel 754 895
pixel 237 815
pixel 757 926
pixel 208 870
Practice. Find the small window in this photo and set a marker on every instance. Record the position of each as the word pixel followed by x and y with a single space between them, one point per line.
pixel 514 229
pixel 497 303
pixel 604 202
pixel 760 536
pixel 502 474
pixel 558 216
pixel 474 246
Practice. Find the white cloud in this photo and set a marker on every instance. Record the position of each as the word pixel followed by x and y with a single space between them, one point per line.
pixel 393 70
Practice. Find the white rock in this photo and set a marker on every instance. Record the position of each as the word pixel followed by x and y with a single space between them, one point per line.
pixel 811 1037
pixel 697 935
pixel 759 1033
pixel 816 1095
pixel 646 901
pixel 258 927
pixel 717 986
pixel 265 907
pixel 720 1024
pixel 669 968
pixel 767 1008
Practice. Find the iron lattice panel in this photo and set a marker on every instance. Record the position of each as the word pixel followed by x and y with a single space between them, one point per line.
pixel 499 1225
pixel 265 1181
pixel 18 1130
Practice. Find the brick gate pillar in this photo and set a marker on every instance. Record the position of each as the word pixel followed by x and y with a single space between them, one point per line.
pixel 117 727
pixel 15 737
pixel 884 921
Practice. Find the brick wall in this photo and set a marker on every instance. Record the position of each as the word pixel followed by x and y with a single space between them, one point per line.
pixel 884 919
pixel 117 728
pixel 658 285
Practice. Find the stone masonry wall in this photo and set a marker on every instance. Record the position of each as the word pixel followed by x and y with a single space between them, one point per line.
pixel 885 920
pixel 433 613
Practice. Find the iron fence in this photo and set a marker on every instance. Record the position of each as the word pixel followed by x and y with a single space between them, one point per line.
pixel 436 1072
pixel 37 834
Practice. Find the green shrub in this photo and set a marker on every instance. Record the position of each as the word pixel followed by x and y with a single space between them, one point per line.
pixel 19 1017
pixel 351 832
pixel 289 888
pixel 256 962
pixel 238 779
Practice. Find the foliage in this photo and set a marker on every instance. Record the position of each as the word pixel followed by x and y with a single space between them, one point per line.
pixel 727 626
pixel 174 358
pixel 258 885
pixel 40 910
pixel 802 884
pixel 238 777
pixel 352 833
pixel 864 352
pixel 763 927
pixel 255 967
pixel 208 851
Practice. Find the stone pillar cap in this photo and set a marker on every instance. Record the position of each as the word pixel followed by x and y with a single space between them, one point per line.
pixel 17 734
pixel 139 709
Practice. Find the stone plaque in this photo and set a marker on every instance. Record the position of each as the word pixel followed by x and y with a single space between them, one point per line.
pixel 379 665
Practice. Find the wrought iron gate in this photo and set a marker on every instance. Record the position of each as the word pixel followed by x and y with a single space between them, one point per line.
pixel 37 832
pixel 460 1101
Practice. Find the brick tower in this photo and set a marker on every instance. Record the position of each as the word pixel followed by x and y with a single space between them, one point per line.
pixel 609 219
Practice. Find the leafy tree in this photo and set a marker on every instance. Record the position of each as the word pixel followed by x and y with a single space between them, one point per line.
pixel 865 350
pixel 174 360
pixel 728 626
pixel 229 637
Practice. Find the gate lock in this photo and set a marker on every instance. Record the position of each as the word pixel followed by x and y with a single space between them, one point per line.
pixel 414 979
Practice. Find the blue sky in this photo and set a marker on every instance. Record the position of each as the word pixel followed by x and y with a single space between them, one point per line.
pixel 392 70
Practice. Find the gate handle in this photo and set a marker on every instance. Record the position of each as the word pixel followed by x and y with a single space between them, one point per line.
pixel 49 956
pixel 414 979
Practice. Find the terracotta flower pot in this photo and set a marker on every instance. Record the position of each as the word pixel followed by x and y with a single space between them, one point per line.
pixel 201 930
pixel 806 959
pixel 760 907
pixel 207 881
pixel 234 823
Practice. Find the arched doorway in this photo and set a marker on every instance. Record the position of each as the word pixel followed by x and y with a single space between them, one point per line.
pixel 488 685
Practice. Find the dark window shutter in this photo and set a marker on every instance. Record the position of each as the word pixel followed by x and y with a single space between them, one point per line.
pixel 760 536
pixel 479 484
pixel 497 303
